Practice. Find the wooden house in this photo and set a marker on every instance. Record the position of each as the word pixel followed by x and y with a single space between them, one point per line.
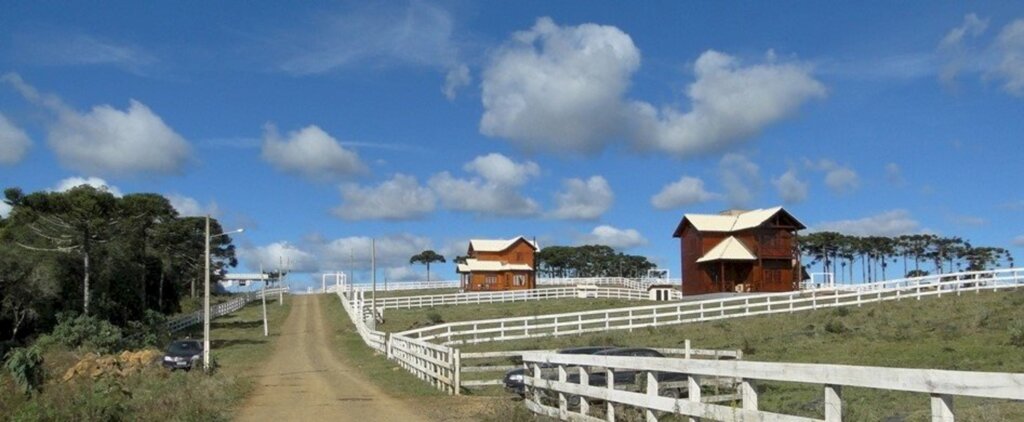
pixel 739 251
pixel 499 265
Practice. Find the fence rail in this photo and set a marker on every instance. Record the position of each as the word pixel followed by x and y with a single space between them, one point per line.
pixel 630 318
pixel 941 385
pixel 426 301
pixel 220 309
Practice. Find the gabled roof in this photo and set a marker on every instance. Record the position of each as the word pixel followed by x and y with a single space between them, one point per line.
pixel 476 265
pixel 729 249
pixel 732 222
pixel 497 245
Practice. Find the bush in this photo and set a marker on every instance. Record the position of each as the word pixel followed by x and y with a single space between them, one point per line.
pixel 151 331
pixel 26 367
pixel 87 333
pixel 1017 334
pixel 836 327
pixel 435 317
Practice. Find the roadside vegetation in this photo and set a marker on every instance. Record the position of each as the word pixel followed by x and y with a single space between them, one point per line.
pixel 145 392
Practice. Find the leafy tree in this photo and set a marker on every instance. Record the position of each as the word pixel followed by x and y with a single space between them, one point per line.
pixel 590 261
pixel 427 257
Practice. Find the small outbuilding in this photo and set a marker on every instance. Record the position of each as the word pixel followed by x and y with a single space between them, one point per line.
pixel 739 251
pixel 661 292
pixel 499 265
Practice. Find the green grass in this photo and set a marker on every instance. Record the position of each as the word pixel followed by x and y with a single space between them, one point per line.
pixel 404 319
pixel 386 374
pixel 156 394
pixel 971 333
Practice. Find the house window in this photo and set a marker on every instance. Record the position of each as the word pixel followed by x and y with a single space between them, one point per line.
pixel 490 281
pixel 519 280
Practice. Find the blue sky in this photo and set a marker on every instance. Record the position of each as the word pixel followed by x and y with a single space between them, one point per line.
pixel 424 124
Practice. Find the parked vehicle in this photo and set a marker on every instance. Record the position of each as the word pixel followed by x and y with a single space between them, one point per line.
pixel 670 384
pixel 183 354
pixel 514 378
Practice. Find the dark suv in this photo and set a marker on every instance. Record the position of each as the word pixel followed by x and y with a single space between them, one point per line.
pixel 514 377
pixel 183 354
pixel 671 384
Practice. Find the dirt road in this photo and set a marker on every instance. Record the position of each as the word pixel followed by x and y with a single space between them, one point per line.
pixel 305 381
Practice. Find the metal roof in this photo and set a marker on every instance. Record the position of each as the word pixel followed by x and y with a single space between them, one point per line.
pixel 476 265
pixel 496 245
pixel 730 249
pixel 733 221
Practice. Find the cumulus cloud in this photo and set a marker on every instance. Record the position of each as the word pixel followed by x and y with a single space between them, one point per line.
pixel 685 191
pixel 840 179
pixel 493 192
pixel 954 49
pixel 729 102
pixel 5 209
pixel 1010 47
pixel 272 255
pixel 741 178
pixel 190 207
pixel 310 152
pixel 456 78
pixel 392 251
pixel 73 182
pixel 559 88
pixel 401 198
pixel 614 237
pixel 791 189
pixel 562 88
pixel 106 140
pixel 890 223
pixel 14 142
pixel 583 199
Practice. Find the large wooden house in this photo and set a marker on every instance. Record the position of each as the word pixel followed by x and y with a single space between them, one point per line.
pixel 499 265
pixel 739 251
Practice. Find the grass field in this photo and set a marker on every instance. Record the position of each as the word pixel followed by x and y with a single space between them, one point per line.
pixel 155 394
pixel 404 319
pixel 983 332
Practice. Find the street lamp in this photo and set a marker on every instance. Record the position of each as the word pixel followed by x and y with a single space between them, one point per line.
pixel 206 296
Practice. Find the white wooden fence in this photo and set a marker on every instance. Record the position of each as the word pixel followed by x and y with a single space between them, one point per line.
pixel 941 385
pixel 630 318
pixel 426 301
pixel 630 283
pixel 220 309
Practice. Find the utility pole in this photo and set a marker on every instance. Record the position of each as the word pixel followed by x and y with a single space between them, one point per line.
pixel 373 295
pixel 265 328
pixel 206 301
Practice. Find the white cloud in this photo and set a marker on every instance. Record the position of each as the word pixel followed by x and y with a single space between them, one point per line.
pixel 791 189
pixel 495 192
pixel 559 87
pixel 1019 241
pixel 685 191
pixel 106 140
pixel 310 152
pixel 562 88
pixel 894 174
pixel 1010 47
pixel 5 210
pixel 583 199
pixel 889 223
pixel 58 48
pixel 953 48
pixel 392 251
pixel 500 169
pixel 401 198
pixel 729 103
pixel 614 237
pixel 840 179
pixel 279 253
pixel 407 273
pixel 100 184
pixel 190 207
pixel 14 142
pixel 456 78
pixel 741 178
pixel 968 220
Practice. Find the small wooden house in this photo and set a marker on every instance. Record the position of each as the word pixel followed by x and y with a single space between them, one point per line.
pixel 739 251
pixel 499 265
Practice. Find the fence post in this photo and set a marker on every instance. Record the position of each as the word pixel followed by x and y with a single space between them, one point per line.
pixel 748 394
pixel 609 410
pixel 693 387
pixel 833 403
pixel 652 391
pixel 942 408
pixel 563 403
pixel 584 380
pixel 457 372
pixel 686 350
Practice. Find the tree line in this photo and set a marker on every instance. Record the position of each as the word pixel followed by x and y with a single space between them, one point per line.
pixel 88 252
pixel 590 261
pixel 920 254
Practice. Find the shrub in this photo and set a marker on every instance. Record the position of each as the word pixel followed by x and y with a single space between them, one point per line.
pixel 26 367
pixel 151 331
pixel 435 317
pixel 836 327
pixel 88 333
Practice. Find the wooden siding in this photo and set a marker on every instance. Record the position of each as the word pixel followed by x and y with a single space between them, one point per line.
pixel 521 252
